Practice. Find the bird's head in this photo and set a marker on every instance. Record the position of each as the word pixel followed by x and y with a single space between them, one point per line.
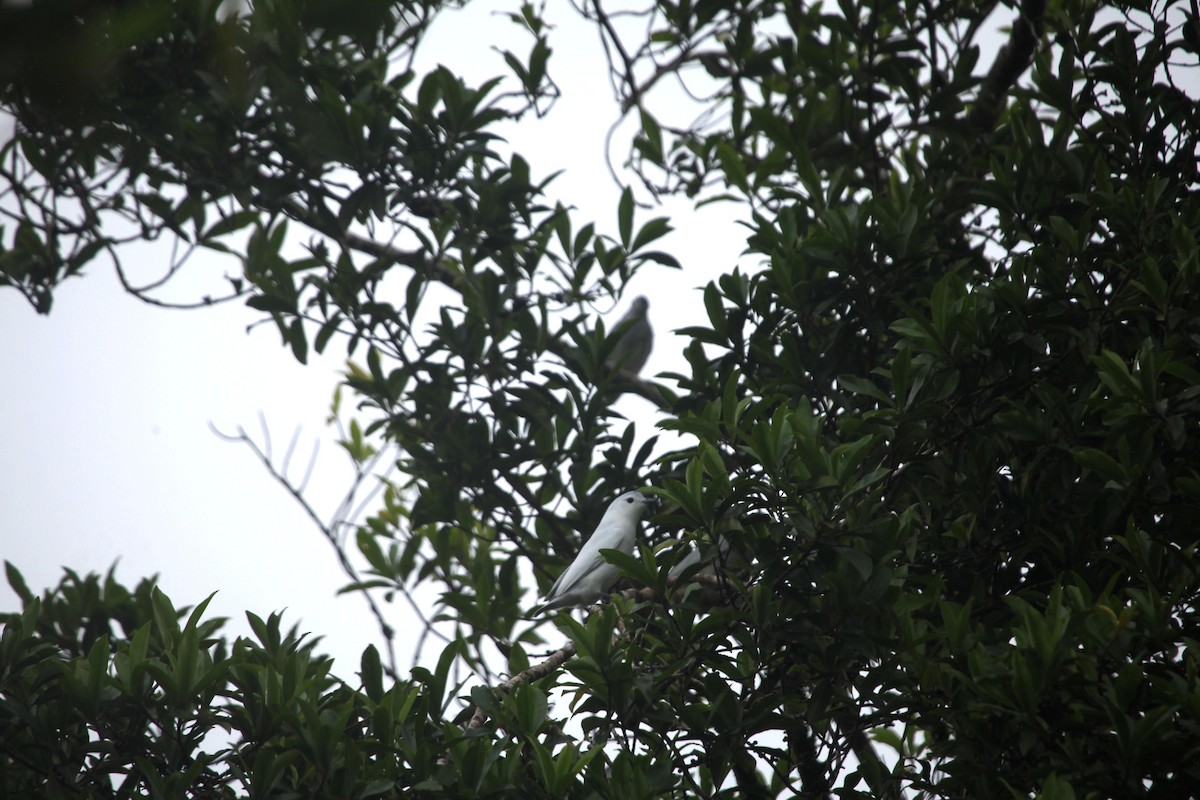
pixel 640 304
pixel 632 504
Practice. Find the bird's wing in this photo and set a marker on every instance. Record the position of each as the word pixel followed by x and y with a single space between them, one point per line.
pixel 692 557
pixel 609 535
pixel 580 568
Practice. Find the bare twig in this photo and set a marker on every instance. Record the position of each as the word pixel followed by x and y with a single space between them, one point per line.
pixel 327 530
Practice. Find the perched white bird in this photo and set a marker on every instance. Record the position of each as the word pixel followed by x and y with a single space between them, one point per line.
pixel 693 557
pixel 589 575
pixel 729 526
pixel 635 339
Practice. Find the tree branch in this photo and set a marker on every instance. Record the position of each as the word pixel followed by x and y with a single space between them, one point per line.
pixel 1012 60
pixel 868 759
pixel 714 584
pixel 331 228
pixel 556 660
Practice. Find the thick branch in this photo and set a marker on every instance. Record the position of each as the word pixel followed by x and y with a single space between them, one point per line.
pixel 409 258
pixel 875 771
pixel 713 584
pixel 1013 59
pixel 556 660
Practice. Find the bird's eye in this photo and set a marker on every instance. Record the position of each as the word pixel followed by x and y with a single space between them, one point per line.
pixel 628 499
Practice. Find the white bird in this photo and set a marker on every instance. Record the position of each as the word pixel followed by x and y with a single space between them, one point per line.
pixel 589 575
pixel 635 339
pixel 693 557
pixel 730 525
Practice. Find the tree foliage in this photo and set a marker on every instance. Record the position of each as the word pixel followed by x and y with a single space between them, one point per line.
pixel 946 423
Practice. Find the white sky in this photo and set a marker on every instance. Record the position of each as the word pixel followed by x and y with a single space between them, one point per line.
pixel 106 448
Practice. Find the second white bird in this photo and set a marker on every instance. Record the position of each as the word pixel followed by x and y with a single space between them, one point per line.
pixel 635 339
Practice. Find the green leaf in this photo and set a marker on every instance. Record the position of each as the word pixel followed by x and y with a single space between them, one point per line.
pixel 651 231
pixel 650 143
pixel 271 304
pixel 858 559
pixel 1100 462
pixel 372 673
pixel 298 340
pixel 733 166
pixel 17 582
pixel 228 224
pixel 863 386
pixel 327 330
pixel 625 217
pixel 166 618
pixel 531 706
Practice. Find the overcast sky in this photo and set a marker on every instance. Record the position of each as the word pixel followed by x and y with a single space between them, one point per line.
pixel 107 450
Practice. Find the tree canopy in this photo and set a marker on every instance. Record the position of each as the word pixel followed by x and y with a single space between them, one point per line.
pixel 940 445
